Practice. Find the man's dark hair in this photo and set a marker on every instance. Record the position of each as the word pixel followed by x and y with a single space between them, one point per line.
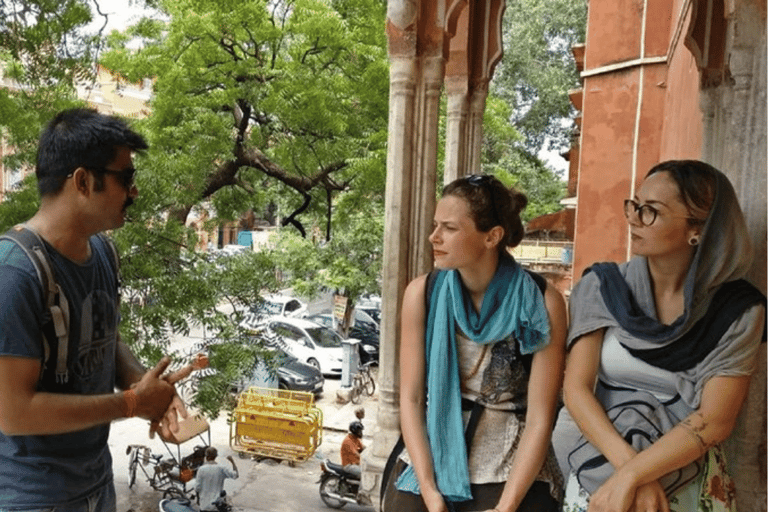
pixel 80 137
pixel 211 453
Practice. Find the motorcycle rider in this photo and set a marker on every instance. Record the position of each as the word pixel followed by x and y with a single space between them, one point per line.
pixel 210 479
pixel 351 448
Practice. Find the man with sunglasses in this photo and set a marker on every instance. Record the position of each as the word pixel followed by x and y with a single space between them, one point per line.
pixel 58 399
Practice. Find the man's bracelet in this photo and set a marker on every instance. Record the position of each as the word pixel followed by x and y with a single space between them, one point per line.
pixel 131 403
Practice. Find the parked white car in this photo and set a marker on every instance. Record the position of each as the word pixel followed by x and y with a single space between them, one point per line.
pixel 283 305
pixel 273 305
pixel 309 342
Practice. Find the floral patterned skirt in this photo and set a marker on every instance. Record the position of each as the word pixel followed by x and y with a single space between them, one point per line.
pixel 712 491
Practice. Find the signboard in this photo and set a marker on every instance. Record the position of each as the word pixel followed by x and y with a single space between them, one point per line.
pixel 339 308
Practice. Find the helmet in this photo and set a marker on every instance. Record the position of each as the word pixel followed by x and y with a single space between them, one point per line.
pixel 356 428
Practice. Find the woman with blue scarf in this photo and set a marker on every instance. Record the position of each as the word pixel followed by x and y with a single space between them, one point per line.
pixel 661 352
pixel 481 361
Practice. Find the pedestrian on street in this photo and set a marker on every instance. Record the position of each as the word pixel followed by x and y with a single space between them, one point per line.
pixel 209 481
pixel 58 399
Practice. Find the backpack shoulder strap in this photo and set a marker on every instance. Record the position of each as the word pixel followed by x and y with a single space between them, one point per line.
pixel 540 280
pixel 429 287
pixel 53 296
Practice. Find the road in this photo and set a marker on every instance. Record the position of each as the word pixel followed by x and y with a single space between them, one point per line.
pixel 264 486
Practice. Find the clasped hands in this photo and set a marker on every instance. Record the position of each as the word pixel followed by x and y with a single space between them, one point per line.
pixel 621 494
pixel 157 398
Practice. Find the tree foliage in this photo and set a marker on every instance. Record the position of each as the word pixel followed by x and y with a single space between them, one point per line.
pixel 528 109
pixel 275 107
pixel 506 158
pixel 264 102
pixel 537 69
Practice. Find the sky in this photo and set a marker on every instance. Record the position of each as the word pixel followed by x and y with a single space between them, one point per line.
pixel 122 13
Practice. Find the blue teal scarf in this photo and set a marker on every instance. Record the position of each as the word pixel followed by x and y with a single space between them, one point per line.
pixel 512 306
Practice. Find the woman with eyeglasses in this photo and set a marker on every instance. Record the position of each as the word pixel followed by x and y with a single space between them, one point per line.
pixel 481 359
pixel 661 350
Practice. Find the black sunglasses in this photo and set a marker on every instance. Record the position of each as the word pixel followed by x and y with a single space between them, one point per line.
pixel 484 181
pixel 126 176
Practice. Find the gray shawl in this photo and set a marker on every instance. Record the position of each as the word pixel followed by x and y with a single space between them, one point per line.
pixel 724 254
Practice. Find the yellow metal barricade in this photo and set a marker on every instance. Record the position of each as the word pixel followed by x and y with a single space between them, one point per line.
pixel 276 423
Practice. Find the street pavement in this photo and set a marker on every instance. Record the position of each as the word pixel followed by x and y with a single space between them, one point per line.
pixel 266 486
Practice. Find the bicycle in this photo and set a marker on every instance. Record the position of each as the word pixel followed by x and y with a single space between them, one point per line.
pixel 167 474
pixel 362 382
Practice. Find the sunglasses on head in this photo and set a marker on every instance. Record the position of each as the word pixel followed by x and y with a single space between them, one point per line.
pixel 484 181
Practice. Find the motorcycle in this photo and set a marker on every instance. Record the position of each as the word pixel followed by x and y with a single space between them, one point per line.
pixel 339 486
pixel 185 505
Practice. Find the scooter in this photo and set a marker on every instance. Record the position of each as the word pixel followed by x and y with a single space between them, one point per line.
pixel 185 505
pixel 339 486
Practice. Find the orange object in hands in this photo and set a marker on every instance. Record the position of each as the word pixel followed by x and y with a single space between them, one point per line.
pixel 189 427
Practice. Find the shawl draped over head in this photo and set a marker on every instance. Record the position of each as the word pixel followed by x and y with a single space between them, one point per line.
pixel 692 347
pixel 622 296
pixel 512 305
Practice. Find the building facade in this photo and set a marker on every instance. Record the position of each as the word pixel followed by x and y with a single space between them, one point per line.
pixel 661 79
pixel 676 79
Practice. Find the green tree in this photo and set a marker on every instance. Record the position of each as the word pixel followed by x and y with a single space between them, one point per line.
pixel 263 103
pixel 349 263
pixel 505 157
pixel 537 69
pixel 528 109
pixel 45 50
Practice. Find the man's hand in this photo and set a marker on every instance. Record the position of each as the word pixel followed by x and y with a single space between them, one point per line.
pixel 153 393
pixel 169 423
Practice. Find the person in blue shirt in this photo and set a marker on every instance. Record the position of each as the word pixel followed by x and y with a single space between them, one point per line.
pixel 209 481
pixel 56 402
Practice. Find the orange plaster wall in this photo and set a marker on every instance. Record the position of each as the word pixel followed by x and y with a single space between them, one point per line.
pixel 670 123
pixel 613 33
pixel 683 121
pixel 606 160
pixel 650 129
pixel 659 27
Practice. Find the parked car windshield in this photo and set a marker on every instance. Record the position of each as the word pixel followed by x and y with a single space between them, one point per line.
pixel 324 336
pixel 282 357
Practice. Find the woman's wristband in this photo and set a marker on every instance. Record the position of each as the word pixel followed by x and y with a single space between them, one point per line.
pixel 131 403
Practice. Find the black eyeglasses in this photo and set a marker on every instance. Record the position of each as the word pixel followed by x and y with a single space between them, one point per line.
pixel 485 181
pixel 126 176
pixel 646 213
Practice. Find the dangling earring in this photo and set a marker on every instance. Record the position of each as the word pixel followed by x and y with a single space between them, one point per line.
pixel 694 240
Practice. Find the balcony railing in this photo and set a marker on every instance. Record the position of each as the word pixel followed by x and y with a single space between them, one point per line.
pixel 543 251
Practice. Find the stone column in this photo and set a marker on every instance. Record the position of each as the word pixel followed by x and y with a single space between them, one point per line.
pixel 735 142
pixel 456 129
pixel 415 84
pixel 475 127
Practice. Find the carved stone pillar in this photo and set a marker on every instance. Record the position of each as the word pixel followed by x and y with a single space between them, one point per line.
pixel 415 83
pixel 475 127
pixel 419 34
pixel 475 50
pixel 456 129
pixel 735 142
